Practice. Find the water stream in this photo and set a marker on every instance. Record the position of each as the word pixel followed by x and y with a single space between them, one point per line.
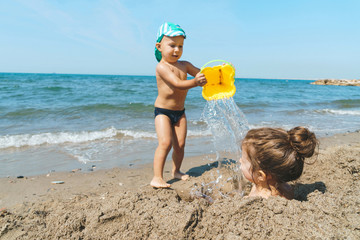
pixel 228 126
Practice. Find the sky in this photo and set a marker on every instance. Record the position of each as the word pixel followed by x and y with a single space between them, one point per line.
pixel 297 39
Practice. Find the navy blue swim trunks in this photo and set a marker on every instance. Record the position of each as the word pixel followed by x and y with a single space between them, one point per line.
pixel 172 114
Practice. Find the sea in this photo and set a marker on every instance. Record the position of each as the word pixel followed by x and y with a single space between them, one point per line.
pixel 61 122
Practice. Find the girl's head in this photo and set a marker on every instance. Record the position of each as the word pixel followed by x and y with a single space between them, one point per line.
pixel 277 153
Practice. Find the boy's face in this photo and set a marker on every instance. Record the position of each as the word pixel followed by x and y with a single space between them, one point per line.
pixel 171 48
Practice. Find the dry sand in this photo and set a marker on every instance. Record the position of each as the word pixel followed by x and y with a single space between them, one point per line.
pixel 119 203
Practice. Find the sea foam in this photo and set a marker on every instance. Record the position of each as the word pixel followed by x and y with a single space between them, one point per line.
pixel 341 112
pixel 23 140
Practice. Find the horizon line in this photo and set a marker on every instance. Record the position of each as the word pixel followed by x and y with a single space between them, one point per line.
pixel 103 74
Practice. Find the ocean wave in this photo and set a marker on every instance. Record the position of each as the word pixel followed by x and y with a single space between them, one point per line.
pixel 56 88
pixel 28 112
pixel 105 107
pixel 111 133
pixel 347 103
pixel 339 112
pixel 137 134
pixel 23 140
pixel 198 133
pixel 75 110
pixel 325 111
pixel 152 135
pixel 195 122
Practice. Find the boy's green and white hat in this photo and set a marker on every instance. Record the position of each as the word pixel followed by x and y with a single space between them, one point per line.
pixel 170 30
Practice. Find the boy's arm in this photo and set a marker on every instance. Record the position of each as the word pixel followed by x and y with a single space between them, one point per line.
pixel 191 69
pixel 170 78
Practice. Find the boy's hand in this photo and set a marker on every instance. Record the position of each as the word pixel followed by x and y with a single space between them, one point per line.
pixel 200 79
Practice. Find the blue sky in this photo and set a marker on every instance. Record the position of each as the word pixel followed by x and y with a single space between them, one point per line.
pixel 303 39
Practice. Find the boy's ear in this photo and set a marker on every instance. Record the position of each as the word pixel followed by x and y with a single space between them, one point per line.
pixel 158 46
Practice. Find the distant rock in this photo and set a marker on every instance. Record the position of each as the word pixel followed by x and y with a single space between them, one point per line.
pixel 338 82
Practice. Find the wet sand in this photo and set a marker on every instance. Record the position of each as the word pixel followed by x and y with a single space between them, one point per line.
pixel 120 204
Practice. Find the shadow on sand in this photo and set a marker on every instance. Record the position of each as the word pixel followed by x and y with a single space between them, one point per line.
pixel 200 170
pixel 303 190
pixel 197 171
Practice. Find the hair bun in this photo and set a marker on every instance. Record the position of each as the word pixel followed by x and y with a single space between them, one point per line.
pixel 303 141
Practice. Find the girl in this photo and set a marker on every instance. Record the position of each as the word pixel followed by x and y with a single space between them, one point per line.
pixel 271 157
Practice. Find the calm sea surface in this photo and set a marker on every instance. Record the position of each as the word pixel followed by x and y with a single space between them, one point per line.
pixel 64 121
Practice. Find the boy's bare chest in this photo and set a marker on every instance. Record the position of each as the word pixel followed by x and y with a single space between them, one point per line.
pixel 179 71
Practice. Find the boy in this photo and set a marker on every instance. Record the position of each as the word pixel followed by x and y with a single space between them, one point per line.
pixel 170 118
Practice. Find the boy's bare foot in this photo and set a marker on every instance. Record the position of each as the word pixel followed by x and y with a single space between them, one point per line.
pixel 181 176
pixel 159 183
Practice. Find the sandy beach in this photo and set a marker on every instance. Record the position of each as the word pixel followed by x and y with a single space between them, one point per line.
pixel 82 85
pixel 120 204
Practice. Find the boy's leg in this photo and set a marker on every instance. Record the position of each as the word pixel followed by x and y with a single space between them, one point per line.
pixel 178 142
pixel 164 131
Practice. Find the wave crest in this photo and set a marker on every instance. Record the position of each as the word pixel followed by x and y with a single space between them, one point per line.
pixel 340 112
pixel 23 140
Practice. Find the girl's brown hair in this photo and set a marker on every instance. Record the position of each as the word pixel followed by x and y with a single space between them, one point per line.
pixel 278 152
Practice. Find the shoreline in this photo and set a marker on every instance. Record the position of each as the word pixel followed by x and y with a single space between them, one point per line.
pixel 119 202
pixel 38 187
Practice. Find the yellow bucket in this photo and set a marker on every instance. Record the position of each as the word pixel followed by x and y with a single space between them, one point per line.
pixel 220 81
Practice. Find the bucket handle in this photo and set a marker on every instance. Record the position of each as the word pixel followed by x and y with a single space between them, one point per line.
pixel 217 60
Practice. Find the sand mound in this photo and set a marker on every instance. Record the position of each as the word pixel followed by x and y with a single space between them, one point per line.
pixel 327 206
